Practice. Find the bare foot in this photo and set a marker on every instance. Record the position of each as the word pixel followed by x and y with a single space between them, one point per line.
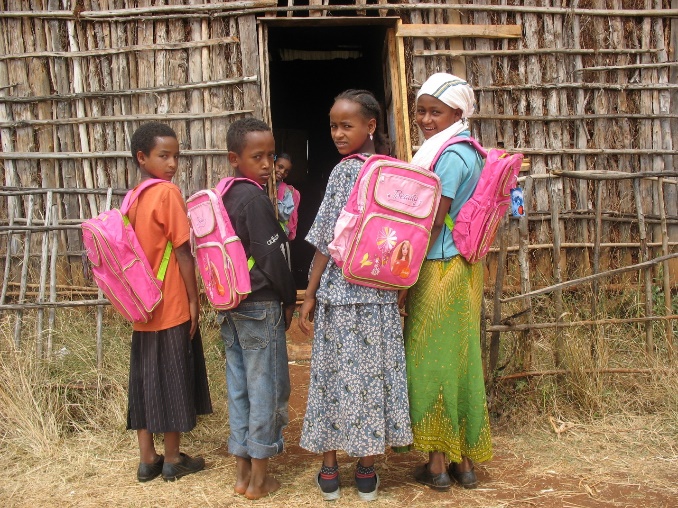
pixel 243 472
pixel 268 486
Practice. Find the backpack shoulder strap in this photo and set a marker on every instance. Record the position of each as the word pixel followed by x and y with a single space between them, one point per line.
pixel 222 188
pixel 460 139
pixel 127 203
pixel 227 182
pixel 358 156
pixel 133 194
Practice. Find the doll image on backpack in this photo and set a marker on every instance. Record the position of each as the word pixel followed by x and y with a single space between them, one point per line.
pixel 401 259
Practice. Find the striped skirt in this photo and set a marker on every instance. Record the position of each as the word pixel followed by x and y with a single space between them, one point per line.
pixel 167 381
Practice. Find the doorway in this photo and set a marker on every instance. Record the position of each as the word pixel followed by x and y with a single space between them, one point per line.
pixel 309 63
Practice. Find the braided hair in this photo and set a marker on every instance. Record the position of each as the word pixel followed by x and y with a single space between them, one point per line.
pixel 369 108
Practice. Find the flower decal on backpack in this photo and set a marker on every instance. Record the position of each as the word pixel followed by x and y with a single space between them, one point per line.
pixel 386 239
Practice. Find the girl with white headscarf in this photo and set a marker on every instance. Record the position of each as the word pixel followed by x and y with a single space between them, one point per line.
pixel 442 328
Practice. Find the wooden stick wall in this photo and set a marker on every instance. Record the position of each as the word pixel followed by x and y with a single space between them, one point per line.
pixel 589 94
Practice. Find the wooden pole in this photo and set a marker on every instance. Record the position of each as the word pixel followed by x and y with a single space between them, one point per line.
pixel 52 285
pixel 589 278
pixel 496 304
pixel 644 256
pixel 43 275
pixel 24 276
pixel 668 305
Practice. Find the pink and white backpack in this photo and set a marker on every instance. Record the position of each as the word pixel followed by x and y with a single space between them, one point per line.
pixel 478 219
pixel 218 251
pixel 382 233
pixel 290 226
pixel 119 265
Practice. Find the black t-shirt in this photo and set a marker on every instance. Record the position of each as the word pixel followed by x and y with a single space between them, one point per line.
pixel 253 218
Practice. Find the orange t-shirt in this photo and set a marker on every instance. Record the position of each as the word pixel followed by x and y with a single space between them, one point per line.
pixel 159 216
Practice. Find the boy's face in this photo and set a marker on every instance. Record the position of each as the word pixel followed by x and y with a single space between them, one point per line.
pixel 163 160
pixel 434 116
pixel 256 159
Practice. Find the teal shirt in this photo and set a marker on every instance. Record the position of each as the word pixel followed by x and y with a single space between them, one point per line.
pixel 459 169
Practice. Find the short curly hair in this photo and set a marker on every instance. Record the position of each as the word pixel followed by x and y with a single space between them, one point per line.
pixel 238 131
pixel 143 138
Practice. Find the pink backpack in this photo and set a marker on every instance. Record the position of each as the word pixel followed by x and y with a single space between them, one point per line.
pixel 119 265
pixel 478 219
pixel 291 225
pixel 382 233
pixel 219 254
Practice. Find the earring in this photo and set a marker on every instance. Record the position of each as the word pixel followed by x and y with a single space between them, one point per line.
pixel 371 137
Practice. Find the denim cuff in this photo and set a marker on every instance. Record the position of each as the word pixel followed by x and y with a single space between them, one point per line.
pixel 255 450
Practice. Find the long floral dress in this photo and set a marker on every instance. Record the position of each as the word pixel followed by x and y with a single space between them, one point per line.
pixel 357 397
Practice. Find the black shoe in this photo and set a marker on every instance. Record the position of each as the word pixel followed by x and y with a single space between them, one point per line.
pixel 147 472
pixel 466 479
pixel 440 482
pixel 187 465
pixel 367 482
pixel 328 482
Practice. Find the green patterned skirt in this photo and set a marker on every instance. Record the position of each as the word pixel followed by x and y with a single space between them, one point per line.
pixel 444 367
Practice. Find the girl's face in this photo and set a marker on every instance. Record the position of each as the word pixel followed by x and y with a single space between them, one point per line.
pixel 350 129
pixel 282 169
pixel 406 249
pixel 162 161
pixel 433 115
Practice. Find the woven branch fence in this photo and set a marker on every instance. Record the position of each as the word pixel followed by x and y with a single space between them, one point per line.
pixel 589 93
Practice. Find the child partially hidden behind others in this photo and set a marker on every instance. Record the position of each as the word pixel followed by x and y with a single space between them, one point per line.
pixel 257 374
pixel 167 379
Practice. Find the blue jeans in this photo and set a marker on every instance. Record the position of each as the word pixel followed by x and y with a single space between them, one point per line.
pixel 257 378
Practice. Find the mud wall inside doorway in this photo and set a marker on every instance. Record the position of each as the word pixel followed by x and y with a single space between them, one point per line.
pixel 308 67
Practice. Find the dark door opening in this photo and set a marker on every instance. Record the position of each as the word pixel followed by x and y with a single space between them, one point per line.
pixel 308 67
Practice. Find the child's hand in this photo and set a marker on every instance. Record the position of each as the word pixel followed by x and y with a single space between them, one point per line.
pixel 289 313
pixel 306 314
pixel 402 297
pixel 194 308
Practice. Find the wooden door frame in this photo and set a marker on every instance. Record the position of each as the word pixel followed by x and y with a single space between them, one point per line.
pixel 395 60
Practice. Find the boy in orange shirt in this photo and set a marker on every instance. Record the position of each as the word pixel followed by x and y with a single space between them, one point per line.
pixel 167 380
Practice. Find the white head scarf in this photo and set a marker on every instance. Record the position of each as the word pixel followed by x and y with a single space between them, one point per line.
pixel 457 94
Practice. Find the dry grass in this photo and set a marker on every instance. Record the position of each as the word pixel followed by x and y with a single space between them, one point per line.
pixel 616 444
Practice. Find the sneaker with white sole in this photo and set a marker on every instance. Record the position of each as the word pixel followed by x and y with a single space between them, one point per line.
pixel 367 482
pixel 328 482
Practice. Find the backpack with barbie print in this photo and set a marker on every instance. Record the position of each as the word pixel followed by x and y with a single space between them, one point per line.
pixel 478 219
pixel 382 233
pixel 119 265
pixel 218 251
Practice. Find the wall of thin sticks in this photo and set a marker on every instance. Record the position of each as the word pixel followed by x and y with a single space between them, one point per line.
pixel 589 93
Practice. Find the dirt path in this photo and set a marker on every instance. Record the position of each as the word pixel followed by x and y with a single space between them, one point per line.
pixel 508 480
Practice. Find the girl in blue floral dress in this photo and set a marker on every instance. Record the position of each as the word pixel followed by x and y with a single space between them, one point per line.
pixel 357 397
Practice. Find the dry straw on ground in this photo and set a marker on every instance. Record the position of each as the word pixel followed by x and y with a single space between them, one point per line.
pixel 63 439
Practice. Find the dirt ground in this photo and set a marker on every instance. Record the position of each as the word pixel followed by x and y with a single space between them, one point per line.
pixel 626 461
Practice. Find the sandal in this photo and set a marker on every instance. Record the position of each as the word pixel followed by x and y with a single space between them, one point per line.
pixel 466 479
pixel 440 482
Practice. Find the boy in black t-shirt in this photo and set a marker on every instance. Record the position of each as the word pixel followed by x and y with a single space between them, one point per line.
pixel 257 373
